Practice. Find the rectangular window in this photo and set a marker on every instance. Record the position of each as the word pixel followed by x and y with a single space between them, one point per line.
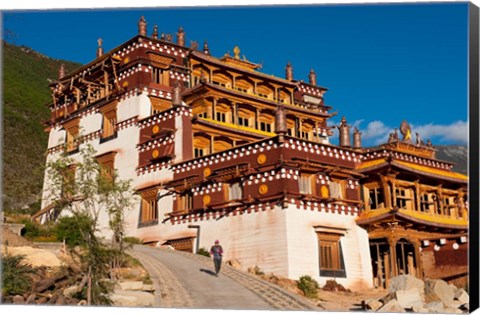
pixel 448 205
pixel 235 191
pixel 376 198
pixel 243 121
pixel 107 169
pixel 404 198
pixel 330 255
pixel 336 190
pixel 199 152
pixel 72 129
pixel 109 121
pixel 221 117
pixel 185 202
pixel 306 184
pixel 148 206
pixel 304 135
pixel 265 126
pixel 427 202
pixel 160 76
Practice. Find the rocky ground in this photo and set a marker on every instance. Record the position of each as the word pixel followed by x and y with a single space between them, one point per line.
pixel 58 280
pixel 409 294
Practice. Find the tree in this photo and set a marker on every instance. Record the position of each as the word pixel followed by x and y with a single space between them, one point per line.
pixel 83 189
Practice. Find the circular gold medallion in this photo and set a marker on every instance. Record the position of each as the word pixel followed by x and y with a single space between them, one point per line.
pixel 262 158
pixel 126 60
pixel 125 84
pixel 155 154
pixel 263 189
pixel 155 129
pixel 206 172
pixel 206 199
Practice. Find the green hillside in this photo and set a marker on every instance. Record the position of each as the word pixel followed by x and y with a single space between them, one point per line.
pixel 26 75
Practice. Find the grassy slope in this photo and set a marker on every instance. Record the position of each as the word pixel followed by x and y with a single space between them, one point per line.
pixel 25 93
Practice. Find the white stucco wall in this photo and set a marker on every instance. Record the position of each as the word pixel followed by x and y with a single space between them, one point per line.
pixel 303 247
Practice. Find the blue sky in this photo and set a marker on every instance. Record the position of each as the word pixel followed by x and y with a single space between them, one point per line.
pixel 381 63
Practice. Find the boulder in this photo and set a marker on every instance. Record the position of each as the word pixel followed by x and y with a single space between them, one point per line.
pixel 462 296
pixel 70 291
pixel 132 298
pixel 435 307
pixel 131 285
pixel 31 298
pixel 406 282
pixel 18 299
pixel 456 304
pixel 391 307
pixel 234 263
pixel 409 298
pixel 387 298
pixel 440 290
pixel 373 304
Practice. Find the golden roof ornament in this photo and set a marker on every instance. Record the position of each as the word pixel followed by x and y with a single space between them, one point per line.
pixel 406 131
pixel 155 32
pixel 236 52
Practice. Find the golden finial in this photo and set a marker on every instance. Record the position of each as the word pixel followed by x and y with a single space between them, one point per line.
pixel 236 52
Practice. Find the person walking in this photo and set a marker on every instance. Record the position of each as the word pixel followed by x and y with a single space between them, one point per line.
pixel 216 252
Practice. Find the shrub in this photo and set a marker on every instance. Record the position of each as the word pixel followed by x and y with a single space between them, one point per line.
pixel 258 271
pixel 34 231
pixel 72 229
pixel 16 275
pixel 308 286
pixel 202 251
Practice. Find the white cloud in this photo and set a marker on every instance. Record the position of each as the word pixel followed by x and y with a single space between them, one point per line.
pixel 376 132
pixel 456 132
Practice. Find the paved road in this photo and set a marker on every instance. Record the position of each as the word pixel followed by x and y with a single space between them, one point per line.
pixel 185 280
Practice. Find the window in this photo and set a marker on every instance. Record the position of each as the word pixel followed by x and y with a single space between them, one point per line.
pixel 199 152
pixel 109 113
pixel 427 202
pixel 201 146
pixel 159 105
pixel 149 210
pixel 376 198
pixel 72 129
pixel 203 115
pixel 306 184
pixel 404 198
pixel 448 205
pixel 160 76
pixel 243 121
pixel 221 117
pixel 265 126
pixel 235 191
pixel 304 135
pixel 185 201
pixel 107 169
pixel 330 255
pixel 336 190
